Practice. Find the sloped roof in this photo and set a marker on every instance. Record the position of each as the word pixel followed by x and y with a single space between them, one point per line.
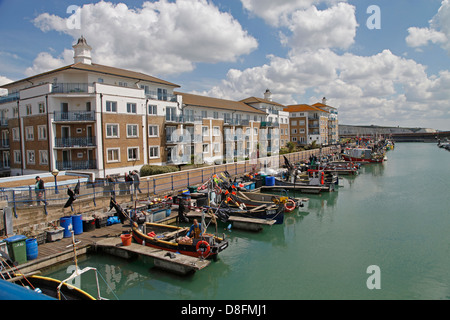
pixel 209 102
pixel 99 69
pixel 303 108
pixel 252 100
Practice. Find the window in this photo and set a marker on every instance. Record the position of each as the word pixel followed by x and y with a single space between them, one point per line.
pixel 216 131
pixel 30 157
pixel 29 109
pixel 111 106
pixel 216 148
pixel 205 148
pixel 6 163
pixel 29 133
pixel 294 131
pixel 132 130
pixel 41 107
pixel 170 113
pixel 15 112
pixel 17 157
pixel 153 152
pixel 162 94
pixel 123 84
pixel 131 107
pixel 113 155
pixel 204 114
pixel 42 132
pixel 43 157
pixel 153 131
pixel 133 154
pixel 152 109
pixel 205 132
pixel 255 131
pixel 112 130
pixel 293 122
pixel 215 115
pixel 100 80
pixel 15 134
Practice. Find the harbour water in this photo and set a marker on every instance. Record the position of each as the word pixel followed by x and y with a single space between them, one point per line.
pixel 394 215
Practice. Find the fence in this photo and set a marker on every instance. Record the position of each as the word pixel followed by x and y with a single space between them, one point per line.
pixel 149 186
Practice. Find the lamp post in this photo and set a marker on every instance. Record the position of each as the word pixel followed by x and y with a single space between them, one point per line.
pixel 55 174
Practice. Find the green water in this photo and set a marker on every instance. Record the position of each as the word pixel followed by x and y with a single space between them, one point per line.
pixel 394 215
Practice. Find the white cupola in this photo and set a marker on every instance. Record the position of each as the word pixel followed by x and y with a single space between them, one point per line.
pixel 268 95
pixel 82 51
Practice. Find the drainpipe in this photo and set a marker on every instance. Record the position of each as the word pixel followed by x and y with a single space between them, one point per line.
pixel 103 136
pixel 50 151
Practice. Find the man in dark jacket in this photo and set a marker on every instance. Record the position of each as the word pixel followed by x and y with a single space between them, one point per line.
pixel 39 189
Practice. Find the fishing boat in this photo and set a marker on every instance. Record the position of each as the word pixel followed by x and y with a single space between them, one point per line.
pixel 341 168
pixel 174 239
pixel 256 199
pixel 35 287
pixel 362 155
pixel 264 211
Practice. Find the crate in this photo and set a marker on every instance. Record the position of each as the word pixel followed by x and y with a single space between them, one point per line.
pixel 54 234
pixel 41 236
pixel 100 222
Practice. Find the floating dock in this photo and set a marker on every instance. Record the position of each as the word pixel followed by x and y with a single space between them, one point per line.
pixel 162 259
pixel 298 188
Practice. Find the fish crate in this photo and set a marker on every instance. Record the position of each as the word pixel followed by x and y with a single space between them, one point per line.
pixel 40 236
pixel 54 234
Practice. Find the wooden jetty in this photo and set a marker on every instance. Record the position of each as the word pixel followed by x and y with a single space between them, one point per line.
pixel 162 259
pixel 243 223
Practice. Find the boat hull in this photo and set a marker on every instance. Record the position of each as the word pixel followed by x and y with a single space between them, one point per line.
pixel 354 159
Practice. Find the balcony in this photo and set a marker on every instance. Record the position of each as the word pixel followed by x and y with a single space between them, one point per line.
pixel 10 97
pixel 76 165
pixel 72 88
pixel 266 124
pixel 75 142
pixel 161 97
pixel 77 116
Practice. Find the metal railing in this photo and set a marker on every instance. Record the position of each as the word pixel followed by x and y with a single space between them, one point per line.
pixel 71 88
pixel 148 186
pixel 75 142
pixel 74 116
pixel 76 165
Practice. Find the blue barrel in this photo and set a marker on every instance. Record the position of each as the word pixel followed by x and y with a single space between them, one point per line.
pixel 270 181
pixel 66 223
pixel 32 248
pixel 77 224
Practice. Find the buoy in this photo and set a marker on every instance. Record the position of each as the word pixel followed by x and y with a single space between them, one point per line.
pixel 203 248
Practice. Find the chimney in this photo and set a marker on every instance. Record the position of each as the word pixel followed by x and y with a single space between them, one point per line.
pixel 82 51
pixel 324 101
pixel 268 95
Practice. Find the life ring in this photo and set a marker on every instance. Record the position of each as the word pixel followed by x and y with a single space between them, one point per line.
pixel 200 247
pixel 321 178
pixel 289 208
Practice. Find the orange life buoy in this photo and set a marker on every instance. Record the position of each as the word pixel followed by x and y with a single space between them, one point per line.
pixel 203 248
pixel 289 208
pixel 321 179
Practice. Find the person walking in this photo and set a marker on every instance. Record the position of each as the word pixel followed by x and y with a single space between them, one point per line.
pixel 128 182
pixel 39 189
pixel 136 181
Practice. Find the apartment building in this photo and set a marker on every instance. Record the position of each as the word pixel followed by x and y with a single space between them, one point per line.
pixel 85 116
pixel 308 123
pixel 276 127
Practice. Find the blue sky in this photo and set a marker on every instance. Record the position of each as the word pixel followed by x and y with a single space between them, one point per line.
pixel 301 50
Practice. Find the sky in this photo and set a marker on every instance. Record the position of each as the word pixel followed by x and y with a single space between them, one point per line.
pixel 378 62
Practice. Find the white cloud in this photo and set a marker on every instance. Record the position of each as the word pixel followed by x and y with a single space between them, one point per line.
pixel 4 80
pixel 46 62
pixel 277 12
pixel 311 29
pixel 437 33
pixel 419 37
pixel 160 38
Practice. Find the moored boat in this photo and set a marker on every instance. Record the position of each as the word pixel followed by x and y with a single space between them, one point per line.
pixel 174 239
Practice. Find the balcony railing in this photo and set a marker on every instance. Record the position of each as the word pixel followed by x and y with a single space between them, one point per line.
pixel 266 124
pixel 72 88
pixel 76 165
pixel 10 97
pixel 75 116
pixel 75 142
pixel 161 97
